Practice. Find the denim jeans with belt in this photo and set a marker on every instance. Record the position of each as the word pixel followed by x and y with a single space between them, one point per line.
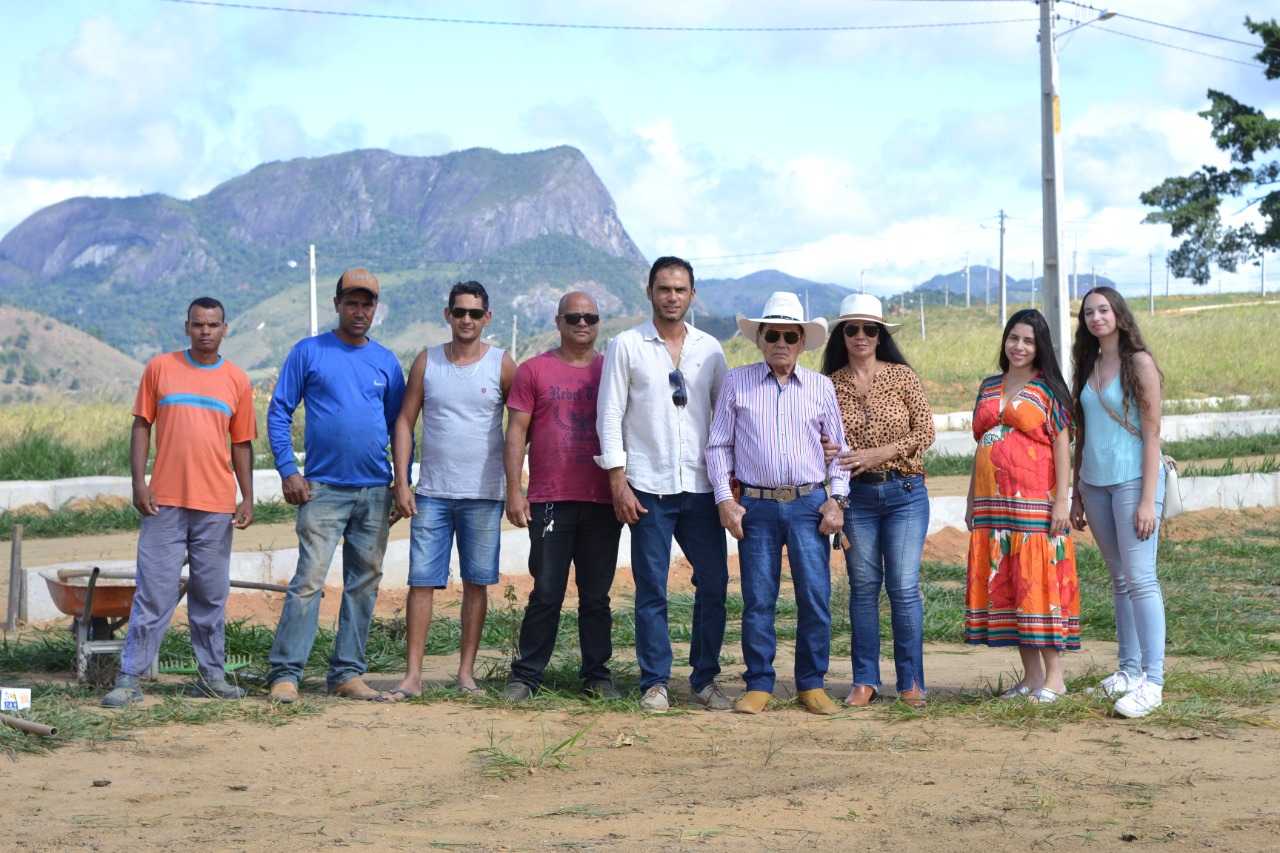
pixel 694 521
pixel 1135 589
pixel 886 525
pixel 359 516
pixel 767 526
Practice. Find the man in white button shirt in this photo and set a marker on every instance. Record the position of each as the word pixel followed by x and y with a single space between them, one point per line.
pixel 657 392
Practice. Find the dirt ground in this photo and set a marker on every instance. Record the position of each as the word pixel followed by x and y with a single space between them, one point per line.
pixel 405 775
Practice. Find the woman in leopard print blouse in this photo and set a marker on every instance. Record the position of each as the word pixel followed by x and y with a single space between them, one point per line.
pixel 888 426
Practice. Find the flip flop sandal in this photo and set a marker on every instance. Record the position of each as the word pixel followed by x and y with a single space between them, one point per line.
pixel 1017 691
pixel 1045 696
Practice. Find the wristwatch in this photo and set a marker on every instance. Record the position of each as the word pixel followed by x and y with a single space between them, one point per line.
pixel 841 500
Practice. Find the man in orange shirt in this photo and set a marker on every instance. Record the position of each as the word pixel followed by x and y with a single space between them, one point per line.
pixel 196 400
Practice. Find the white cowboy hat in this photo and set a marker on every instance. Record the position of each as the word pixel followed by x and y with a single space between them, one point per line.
pixel 784 309
pixel 862 306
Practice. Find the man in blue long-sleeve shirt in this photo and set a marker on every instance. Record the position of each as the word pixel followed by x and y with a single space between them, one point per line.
pixel 351 388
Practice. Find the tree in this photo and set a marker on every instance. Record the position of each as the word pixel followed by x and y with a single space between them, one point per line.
pixel 1191 205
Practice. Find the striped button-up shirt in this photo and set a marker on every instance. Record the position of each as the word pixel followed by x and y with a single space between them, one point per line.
pixel 769 434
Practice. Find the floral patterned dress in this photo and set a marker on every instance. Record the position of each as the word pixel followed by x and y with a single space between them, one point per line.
pixel 1022 588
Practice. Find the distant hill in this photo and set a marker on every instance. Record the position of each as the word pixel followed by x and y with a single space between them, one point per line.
pixel 39 356
pixel 719 300
pixel 952 286
pixel 529 226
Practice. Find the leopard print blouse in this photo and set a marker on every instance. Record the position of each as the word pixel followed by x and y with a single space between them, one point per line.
pixel 894 411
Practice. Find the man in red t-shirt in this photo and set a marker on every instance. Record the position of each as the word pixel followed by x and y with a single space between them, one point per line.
pixel 196 400
pixel 569 508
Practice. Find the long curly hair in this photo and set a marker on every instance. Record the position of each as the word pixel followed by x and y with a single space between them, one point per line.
pixel 1046 361
pixel 1084 353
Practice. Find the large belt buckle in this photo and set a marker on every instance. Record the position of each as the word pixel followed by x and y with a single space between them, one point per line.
pixel 784 494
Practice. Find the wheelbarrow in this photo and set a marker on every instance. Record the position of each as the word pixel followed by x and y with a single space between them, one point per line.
pixel 98 602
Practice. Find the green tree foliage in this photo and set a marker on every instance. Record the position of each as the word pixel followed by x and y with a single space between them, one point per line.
pixel 1191 205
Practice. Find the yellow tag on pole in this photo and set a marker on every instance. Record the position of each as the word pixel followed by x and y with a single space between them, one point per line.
pixel 1057 115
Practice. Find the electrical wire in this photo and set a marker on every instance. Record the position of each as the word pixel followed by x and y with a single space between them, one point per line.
pixel 221 4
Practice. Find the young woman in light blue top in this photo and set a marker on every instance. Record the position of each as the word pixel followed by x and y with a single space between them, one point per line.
pixel 1119 486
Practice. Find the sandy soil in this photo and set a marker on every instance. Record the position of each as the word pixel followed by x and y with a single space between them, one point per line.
pixel 405 776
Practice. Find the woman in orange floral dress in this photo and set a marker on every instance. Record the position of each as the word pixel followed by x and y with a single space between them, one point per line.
pixel 1022 588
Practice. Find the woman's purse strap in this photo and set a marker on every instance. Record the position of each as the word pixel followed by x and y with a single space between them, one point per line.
pixel 1097 378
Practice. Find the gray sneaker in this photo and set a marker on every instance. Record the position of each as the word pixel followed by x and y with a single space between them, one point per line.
pixel 710 697
pixel 601 688
pixel 655 700
pixel 128 691
pixel 517 691
pixel 215 688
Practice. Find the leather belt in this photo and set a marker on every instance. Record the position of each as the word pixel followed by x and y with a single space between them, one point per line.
pixel 781 494
pixel 878 477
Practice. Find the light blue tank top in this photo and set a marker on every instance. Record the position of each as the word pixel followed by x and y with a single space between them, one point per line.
pixel 462 428
pixel 1112 455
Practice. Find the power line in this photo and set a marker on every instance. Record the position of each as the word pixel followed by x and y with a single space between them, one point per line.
pixel 1116 32
pixel 220 4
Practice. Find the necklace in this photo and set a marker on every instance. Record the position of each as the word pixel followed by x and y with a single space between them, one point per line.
pixel 458 373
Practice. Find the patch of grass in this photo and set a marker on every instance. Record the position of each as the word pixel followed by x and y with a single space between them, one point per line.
pixel 104 517
pixel 75 713
pixel 1266 465
pixel 503 760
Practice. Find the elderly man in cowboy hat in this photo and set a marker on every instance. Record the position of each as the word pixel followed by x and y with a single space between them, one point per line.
pixel 767 433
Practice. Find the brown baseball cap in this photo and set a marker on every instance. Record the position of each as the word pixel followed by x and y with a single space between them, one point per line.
pixel 359 279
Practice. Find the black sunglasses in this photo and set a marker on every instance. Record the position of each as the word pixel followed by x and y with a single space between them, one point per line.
pixel 771 337
pixel 574 318
pixel 473 313
pixel 871 330
pixel 680 396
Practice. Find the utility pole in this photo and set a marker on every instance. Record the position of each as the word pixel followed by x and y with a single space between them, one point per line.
pixel 1054 286
pixel 515 333
pixel 862 285
pixel 1262 275
pixel 987 272
pixel 1033 284
pixel 315 321
pixel 1166 277
pixel 1004 295
pixel 922 316
pixel 966 279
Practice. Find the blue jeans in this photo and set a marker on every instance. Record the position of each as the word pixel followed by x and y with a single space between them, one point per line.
pixel 1135 589
pixel 360 517
pixel 886 524
pixel 477 525
pixel 767 526
pixel 694 521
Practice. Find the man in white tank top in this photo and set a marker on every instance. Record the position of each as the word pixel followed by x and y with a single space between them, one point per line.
pixel 459 389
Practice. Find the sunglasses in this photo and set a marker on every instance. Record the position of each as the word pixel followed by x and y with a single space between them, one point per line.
pixel 680 396
pixel 575 318
pixel 871 330
pixel 473 313
pixel 771 337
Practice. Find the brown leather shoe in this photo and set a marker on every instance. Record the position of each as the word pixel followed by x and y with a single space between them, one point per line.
pixel 284 693
pixel 915 697
pixel 817 701
pixel 861 696
pixel 752 702
pixel 355 688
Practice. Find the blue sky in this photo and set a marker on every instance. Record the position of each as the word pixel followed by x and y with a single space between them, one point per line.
pixel 882 154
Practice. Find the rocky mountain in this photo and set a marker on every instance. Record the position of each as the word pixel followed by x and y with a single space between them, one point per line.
pixel 529 226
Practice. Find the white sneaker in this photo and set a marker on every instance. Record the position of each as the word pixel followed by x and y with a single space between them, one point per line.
pixel 1140 701
pixel 710 697
pixel 1116 685
pixel 655 700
